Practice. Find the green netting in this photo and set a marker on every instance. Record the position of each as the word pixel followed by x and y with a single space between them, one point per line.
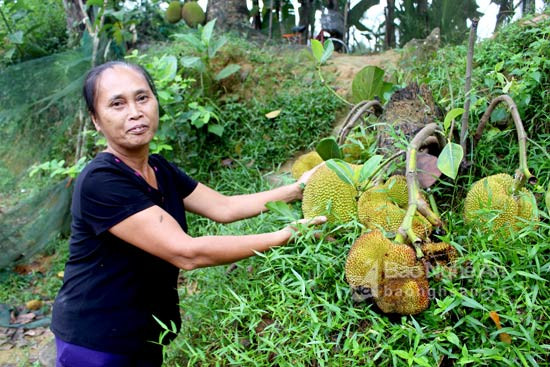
pixel 38 103
pixel 29 227
pixel 39 109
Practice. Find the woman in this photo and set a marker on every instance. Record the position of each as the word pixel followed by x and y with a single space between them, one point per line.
pixel 128 232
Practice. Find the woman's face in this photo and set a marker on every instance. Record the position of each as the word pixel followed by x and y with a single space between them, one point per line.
pixel 126 109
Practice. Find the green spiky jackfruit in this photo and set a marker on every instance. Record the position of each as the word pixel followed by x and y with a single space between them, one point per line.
pixel 375 211
pixel 439 253
pixel 404 296
pixel 364 264
pixel 527 206
pixel 173 12
pixel 304 163
pixel 395 278
pixel 325 190
pixel 396 187
pixel 192 14
pixel 356 146
pixel 490 200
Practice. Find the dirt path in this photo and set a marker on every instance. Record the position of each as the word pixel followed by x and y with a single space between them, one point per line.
pixel 345 67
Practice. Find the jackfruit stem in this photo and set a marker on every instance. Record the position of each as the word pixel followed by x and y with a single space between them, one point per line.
pixel 525 175
pixel 356 112
pixel 413 189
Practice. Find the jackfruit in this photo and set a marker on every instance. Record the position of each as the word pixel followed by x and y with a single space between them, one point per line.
pixel 395 279
pixel 325 190
pixel 439 254
pixel 192 14
pixel 527 206
pixel 491 200
pixel 365 261
pixel 357 146
pixel 173 12
pixel 404 296
pixel 375 211
pixel 304 163
pixel 396 187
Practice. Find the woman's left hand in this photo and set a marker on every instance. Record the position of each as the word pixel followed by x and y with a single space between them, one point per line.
pixel 303 180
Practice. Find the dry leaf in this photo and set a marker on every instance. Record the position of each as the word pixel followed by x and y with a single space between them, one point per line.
pixel 428 173
pixel 273 114
pixel 504 337
pixel 24 318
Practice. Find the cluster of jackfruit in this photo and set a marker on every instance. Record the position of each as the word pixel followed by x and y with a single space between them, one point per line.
pixel 304 163
pixel 391 273
pixel 191 12
pixel 492 200
pixel 384 207
pixel 326 194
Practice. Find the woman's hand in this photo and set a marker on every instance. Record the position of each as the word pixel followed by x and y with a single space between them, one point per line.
pixel 303 180
pixel 297 226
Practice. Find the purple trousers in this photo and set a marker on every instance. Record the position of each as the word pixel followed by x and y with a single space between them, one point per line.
pixel 71 355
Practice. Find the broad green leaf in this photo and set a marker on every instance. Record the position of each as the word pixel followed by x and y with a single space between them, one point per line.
pixel 191 39
pixel 368 84
pixel 215 129
pixel 328 50
pixel 193 62
pixel 328 148
pixel 449 160
pixel 168 67
pixel 215 46
pixel 369 167
pixel 227 71
pixel 317 49
pixel 206 34
pixel 16 37
pixel 451 115
pixel 342 169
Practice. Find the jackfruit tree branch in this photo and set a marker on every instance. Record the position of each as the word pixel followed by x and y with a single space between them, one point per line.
pixel 524 173
pixel 356 112
pixel 416 202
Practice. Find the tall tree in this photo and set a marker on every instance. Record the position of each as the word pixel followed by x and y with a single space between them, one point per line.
pixel 230 14
pixel 527 7
pixel 389 39
pixel 505 11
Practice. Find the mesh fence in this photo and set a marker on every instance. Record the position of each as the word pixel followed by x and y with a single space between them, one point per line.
pixel 39 107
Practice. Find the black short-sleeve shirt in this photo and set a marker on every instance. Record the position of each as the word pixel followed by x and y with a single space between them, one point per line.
pixel 112 289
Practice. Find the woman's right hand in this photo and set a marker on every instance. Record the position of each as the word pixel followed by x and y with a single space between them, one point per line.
pixel 301 224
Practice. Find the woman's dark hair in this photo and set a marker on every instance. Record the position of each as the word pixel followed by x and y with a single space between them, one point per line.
pixel 89 90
